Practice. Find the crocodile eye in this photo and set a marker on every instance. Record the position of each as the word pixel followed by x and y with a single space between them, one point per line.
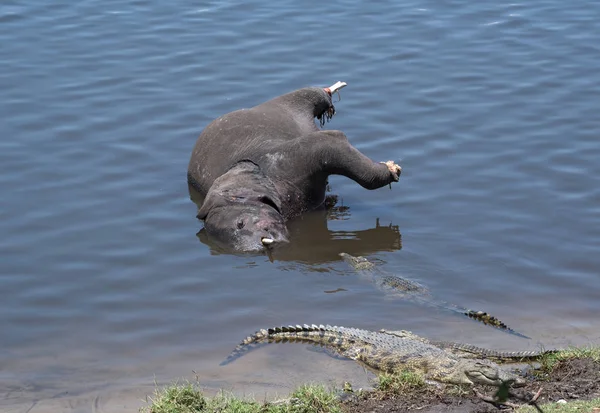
pixel 240 224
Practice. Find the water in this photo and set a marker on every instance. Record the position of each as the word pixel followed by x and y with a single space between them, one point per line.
pixel 105 286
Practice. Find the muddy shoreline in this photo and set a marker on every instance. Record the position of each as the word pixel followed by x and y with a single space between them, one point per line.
pixel 569 380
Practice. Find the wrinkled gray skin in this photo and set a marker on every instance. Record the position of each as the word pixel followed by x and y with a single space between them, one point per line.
pixel 257 168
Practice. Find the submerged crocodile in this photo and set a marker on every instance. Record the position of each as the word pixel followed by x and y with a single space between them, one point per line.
pixel 395 352
pixel 416 292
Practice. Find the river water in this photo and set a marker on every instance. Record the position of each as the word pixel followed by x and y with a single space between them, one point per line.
pixel 491 108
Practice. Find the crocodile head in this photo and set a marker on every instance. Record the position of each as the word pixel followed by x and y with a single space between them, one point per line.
pixel 359 263
pixel 490 373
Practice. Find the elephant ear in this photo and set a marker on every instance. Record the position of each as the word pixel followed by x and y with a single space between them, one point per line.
pixel 203 211
pixel 211 201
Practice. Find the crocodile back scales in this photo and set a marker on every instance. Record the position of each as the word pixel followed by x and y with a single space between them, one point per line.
pixel 383 352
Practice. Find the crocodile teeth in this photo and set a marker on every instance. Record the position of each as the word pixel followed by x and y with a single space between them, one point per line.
pixel 271 331
pixel 298 327
pixel 305 327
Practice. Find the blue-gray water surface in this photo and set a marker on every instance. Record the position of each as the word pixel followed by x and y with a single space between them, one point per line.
pixel 105 287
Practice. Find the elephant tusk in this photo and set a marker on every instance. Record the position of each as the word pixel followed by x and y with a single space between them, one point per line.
pixel 267 241
pixel 336 87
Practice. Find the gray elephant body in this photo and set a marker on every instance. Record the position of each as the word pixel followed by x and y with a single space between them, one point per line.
pixel 257 168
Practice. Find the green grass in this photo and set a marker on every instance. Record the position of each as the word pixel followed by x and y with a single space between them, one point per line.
pixel 584 406
pixel 314 399
pixel 398 383
pixel 188 398
pixel 548 361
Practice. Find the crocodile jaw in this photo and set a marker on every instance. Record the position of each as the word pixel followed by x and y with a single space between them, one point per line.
pixel 486 372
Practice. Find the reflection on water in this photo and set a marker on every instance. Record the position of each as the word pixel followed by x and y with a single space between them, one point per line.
pixel 490 107
pixel 311 242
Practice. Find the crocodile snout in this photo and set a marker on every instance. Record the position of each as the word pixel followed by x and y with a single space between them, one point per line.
pixel 485 372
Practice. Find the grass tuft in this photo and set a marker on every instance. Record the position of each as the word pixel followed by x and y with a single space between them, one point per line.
pixel 227 403
pixel 548 361
pixel 397 383
pixel 187 398
pixel 314 399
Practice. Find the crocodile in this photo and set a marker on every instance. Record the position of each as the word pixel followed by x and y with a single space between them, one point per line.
pixel 414 291
pixel 465 350
pixel 390 352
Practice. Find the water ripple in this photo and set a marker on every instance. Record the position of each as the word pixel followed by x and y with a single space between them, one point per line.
pixel 491 108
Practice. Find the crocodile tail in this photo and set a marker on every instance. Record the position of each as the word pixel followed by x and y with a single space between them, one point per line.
pixel 492 354
pixel 314 334
pixel 480 316
pixel 248 344
pixel 490 320
pixel 486 318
